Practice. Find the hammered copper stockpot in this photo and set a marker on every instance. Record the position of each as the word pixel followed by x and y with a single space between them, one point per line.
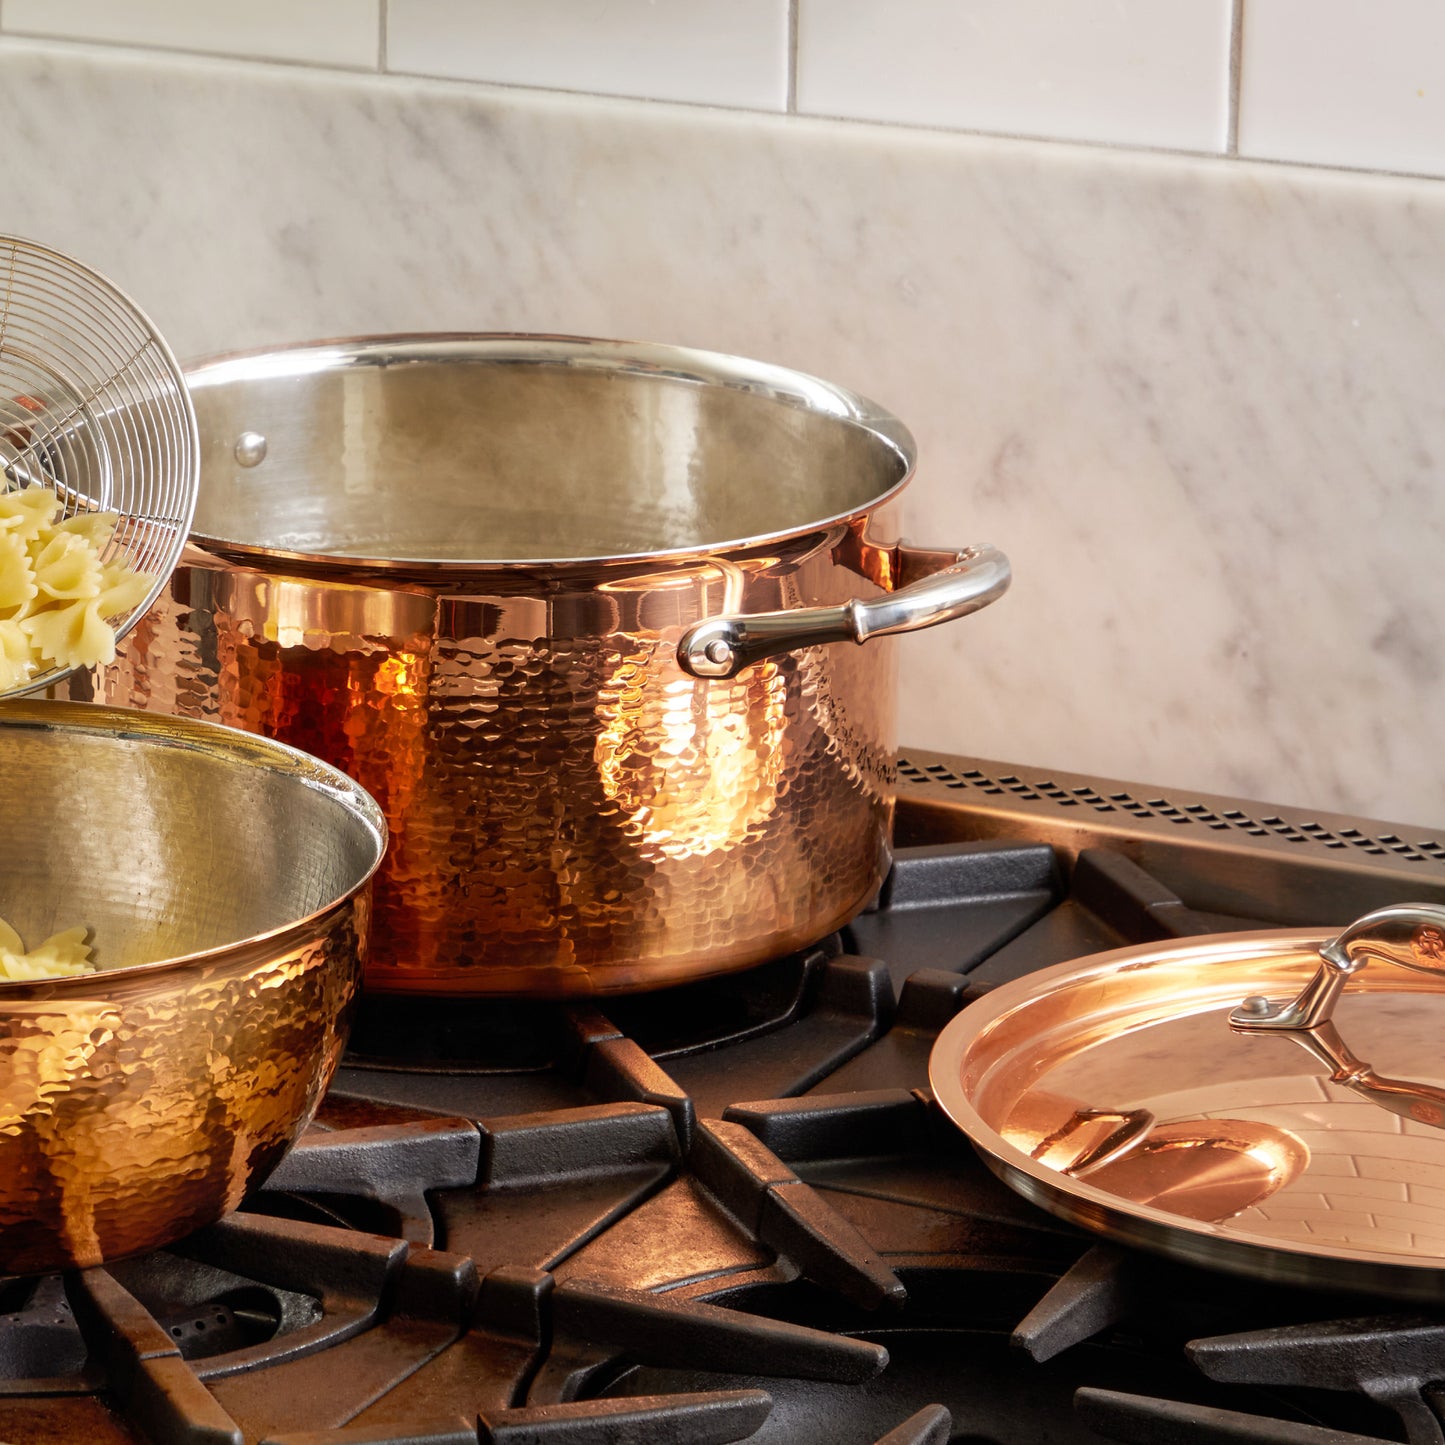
pixel 225 881
pixel 470 572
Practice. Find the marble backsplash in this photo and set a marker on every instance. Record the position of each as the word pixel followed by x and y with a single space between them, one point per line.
pixel 1198 402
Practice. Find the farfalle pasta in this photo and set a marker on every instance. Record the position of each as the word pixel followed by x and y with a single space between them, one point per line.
pixel 58 596
pixel 61 955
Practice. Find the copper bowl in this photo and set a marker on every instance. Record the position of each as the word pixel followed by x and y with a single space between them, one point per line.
pixel 226 881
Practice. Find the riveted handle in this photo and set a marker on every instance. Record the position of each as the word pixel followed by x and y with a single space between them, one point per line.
pixel 1411 935
pixel 720 647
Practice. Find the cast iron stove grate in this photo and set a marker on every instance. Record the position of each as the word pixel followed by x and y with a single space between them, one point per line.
pixel 731 1211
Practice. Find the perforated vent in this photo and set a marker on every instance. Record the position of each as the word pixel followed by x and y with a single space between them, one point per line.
pixel 1187 815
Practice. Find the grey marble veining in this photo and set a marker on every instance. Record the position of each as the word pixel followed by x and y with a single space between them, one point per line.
pixel 1197 402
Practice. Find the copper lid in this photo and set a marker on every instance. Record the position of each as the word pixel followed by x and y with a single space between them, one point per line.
pixel 1228 1101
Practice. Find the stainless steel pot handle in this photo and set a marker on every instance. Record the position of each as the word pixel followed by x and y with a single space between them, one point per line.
pixel 1409 934
pixel 720 647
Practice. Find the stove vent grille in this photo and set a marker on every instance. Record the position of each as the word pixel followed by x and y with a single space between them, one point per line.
pixel 1184 815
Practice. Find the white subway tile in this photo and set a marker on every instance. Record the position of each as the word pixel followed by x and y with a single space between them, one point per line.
pixel 716 52
pixel 322 32
pixel 1340 83
pixel 1136 72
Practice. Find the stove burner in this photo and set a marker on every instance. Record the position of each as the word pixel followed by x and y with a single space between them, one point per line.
pixel 730 1211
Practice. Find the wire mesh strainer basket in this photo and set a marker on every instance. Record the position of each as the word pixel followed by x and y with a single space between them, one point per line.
pixel 94 407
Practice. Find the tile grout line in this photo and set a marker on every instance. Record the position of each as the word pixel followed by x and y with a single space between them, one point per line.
pixel 344 70
pixel 381 36
pixel 1236 66
pixel 791 105
pixel 142 51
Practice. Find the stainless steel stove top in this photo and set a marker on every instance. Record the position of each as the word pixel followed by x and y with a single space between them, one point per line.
pixel 1225 855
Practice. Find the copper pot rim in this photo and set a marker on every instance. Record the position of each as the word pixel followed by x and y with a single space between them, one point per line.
pixel 216 739
pixel 675 363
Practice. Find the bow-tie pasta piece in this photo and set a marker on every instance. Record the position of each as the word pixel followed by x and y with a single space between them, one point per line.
pixel 67 569
pixel 17 662
pixel 28 513
pixel 74 635
pixel 96 527
pixel 17 575
pixel 58 594
pixel 61 955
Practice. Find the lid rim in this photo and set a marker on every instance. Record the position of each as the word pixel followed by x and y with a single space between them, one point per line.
pixel 976 1050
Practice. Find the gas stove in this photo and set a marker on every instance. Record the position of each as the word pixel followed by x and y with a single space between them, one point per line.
pixel 731 1211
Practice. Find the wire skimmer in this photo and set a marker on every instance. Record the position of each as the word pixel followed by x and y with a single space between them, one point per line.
pixel 94 405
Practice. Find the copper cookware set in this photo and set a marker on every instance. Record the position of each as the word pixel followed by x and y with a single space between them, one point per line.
pixel 582 625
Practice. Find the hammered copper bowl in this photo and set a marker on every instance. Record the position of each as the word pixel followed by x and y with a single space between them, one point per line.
pixel 226 881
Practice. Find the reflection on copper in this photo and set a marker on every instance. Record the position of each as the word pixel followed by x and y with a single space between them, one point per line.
pixel 561 797
pixel 696 767
pixel 361 711
pixel 1206 1169
pixel 694 771
pixel 1409 1098
pixel 139 1103
pixel 1410 935
pixel 1070 1137
pixel 1268 1163
pixel 888 565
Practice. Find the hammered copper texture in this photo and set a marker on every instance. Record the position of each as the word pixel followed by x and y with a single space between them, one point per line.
pixel 224 885
pixel 569 812
pixel 137 1106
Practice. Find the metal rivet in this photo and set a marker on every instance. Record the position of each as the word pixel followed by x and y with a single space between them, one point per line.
pixel 250 449
pixel 1255 1005
pixel 718 652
